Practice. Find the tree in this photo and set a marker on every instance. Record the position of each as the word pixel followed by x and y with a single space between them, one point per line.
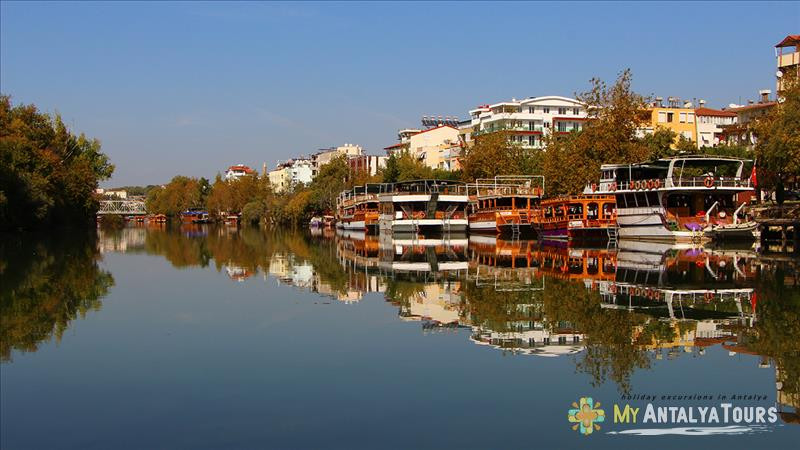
pixel 329 182
pixel 610 135
pixel 47 174
pixel 180 194
pixel 777 147
pixel 659 142
pixel 494 154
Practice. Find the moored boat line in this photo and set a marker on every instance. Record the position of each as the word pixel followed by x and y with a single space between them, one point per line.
pixel 685 199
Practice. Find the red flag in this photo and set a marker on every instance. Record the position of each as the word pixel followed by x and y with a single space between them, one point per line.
pixel 753 176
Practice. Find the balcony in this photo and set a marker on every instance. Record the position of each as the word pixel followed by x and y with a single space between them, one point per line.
pixel 788 59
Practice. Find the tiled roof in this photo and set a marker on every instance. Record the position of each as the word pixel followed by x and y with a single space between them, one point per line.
pixel 713 112
pixel 753 106
pixel 790 40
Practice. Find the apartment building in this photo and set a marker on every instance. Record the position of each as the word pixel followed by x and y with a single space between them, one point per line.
pixel 787 53
pixel 739 132
pixel 325 156
pixel 528 121
pixel 437 147
pixel 676 116
pixel 711 125
pixel 291 173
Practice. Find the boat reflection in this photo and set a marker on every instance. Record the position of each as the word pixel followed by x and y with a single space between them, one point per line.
pixel 615 310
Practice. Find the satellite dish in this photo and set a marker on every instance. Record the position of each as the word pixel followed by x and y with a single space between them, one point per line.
pixel 779 74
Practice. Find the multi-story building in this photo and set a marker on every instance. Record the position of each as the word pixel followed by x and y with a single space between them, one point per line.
pixel 788 60
pixel 237 171
pixel 325 156
pixel 528 121
pixel 676 116
pixel 370 164
pixel 291 173
pixel 739 133
pixel 710 125
pixel 404 140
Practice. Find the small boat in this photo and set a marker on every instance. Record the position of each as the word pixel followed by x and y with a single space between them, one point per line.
pixel 328 221
pixel 577 217
pixel 157 218
pixel 315 222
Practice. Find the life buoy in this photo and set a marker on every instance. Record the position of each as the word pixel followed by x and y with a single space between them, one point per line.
pixel 613 288
pixel 708 182
pixel 635 185
pixel 656 183
pixel 650 184
pixel 594 187
pixel 709 296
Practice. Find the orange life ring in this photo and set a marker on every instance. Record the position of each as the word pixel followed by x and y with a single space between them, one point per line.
pixel 635 185
pixel 708 182
pixel 656 183
pixel 709 296
pixel 650 184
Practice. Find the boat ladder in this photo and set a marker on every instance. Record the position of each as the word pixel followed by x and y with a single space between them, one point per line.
pixel 515 228
pixel 612 236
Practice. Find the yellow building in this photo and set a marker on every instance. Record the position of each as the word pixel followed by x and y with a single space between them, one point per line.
pixel 679 120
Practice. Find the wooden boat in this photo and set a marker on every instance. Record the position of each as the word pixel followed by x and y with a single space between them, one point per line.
pixel 157 218
pixel 576 217
pixel 358 208
pixel 423 205
pixel 680 200
pixel 503 205
pixel 194 216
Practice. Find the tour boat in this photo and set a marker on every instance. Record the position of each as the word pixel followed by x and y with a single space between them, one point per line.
pixel 357 208
pixel 503 205
pixel 423 205
pixel 577 217
pixel 680 199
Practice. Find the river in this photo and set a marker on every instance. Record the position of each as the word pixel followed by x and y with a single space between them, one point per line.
pixel 209 336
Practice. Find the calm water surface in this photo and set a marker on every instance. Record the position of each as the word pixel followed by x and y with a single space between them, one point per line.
pixel 218 337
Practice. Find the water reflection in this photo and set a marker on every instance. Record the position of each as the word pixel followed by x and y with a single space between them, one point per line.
pixel 47 282
pixel 614 311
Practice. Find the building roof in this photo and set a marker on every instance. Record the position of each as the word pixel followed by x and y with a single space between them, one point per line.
pixel 398 145
pixel 241 168
pixel 713 112
pixel 436 128
pixel 789 41
pixel 753 106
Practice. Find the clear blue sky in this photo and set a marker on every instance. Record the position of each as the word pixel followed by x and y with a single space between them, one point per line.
pixel 190 88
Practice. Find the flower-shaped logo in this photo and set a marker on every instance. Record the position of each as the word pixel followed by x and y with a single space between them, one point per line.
pixel 586 416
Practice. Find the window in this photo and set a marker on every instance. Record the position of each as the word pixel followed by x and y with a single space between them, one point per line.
pixel 531 125
pixel 546 124
pixel 562 126
pixel 532 141
pixel 682 117
pixel 670 117
pixel 691 117
pixel 662 117
pixel 687 134
pixel 562 111
pixel 531 110
pixel 546 110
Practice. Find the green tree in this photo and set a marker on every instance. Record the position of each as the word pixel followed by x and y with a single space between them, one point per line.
pixel 47 174
pixel 494 154
pixel 180 194
pixel 659 143
pixel 777 148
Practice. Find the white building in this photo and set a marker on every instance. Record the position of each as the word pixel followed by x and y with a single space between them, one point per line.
pixel 529 120
pixel 291 173
pixel 435 147
pixel 710 123
pixel 325 156
pixel 237 171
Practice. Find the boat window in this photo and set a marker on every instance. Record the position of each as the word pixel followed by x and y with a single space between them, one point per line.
pixel 575 209
pixel 548 212
pixel 592 211
pixel 608 210
pixel 630 200
pixel 652 199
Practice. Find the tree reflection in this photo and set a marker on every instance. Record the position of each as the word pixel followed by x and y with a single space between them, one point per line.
pixel 48 281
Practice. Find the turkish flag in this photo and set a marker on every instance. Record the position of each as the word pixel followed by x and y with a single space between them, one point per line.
pixel 753 176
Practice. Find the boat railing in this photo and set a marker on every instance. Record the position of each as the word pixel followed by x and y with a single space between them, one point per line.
pixel 708 182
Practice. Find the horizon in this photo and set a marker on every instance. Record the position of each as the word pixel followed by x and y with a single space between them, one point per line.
pixel 212 85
